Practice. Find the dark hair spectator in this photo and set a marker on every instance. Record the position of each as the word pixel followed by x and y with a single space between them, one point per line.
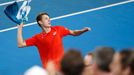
pixel 72 63
pixel 123 62
pixel 102 59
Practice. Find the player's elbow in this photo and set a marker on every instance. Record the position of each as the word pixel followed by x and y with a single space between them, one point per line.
pixel 74 34
pixel 21 45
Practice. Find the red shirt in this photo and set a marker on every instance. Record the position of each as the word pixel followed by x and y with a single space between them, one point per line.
pixel 49 45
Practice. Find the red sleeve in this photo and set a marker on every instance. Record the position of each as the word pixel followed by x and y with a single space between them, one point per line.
pixel 31 41
pixel 63 31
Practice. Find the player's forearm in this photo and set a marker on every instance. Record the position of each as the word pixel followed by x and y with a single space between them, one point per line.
pixel 79 32
pixel 21 42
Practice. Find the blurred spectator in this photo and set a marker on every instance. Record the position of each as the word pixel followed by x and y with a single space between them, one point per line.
pixel 88 70
pixel 123 62
pixel 51 69
pixel 72 63
pixel 102 59
pixel 36 70
pixel 88 59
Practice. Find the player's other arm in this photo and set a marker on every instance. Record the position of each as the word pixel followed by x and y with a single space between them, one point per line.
pixel 21 42
pixel 79 32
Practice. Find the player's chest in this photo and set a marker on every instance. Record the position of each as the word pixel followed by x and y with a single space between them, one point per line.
pixel 47 39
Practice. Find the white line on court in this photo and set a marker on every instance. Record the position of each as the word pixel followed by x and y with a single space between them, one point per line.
pixel 6 3
pixel 68 15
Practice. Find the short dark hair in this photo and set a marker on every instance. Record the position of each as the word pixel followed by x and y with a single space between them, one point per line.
pixel 39 17
pixel 103 57
pixel 72 63
pixel 127 59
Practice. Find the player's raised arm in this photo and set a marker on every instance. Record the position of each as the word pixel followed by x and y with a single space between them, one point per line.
pixel 21 42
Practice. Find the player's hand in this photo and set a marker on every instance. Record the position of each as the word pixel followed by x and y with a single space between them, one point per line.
pixel 20 26
pixel 87 29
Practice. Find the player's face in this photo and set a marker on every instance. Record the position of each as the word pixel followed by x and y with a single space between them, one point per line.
pixel 45 21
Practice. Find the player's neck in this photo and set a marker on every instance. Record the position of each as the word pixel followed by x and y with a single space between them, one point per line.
pixel 46 29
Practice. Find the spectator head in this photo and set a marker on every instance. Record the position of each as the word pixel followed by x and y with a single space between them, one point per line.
pixel 102 58
pixel 72 63
pixel 123 62
pixel 88 59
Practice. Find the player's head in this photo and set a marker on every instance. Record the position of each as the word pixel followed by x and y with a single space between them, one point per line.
pixel 43 20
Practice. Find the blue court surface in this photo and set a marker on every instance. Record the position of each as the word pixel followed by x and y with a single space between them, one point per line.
pixel 111 22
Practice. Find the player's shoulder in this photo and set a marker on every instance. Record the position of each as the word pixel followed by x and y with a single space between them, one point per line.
pixel 58 26
pixel 37 35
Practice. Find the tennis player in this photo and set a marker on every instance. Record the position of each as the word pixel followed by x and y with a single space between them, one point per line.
pixel 49 41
